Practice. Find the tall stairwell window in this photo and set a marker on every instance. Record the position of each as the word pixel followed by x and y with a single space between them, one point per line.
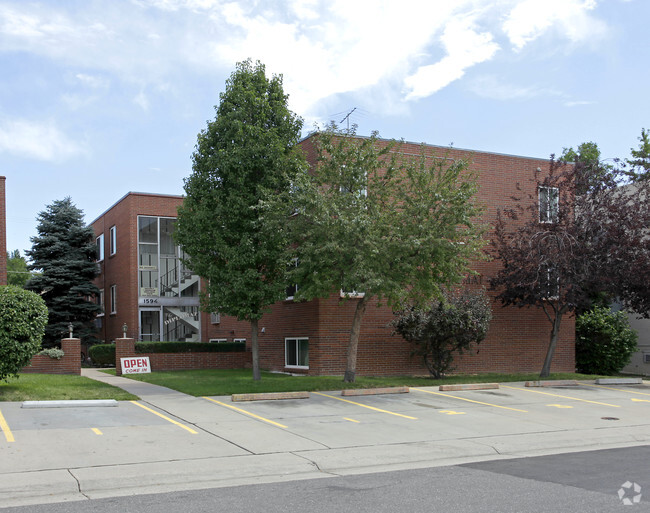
pixel 168 290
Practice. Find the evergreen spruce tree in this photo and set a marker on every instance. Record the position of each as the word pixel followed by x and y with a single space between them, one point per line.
pixel 64 254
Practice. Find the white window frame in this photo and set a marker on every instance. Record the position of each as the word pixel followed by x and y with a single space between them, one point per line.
pixel 215 318
pixel 112 240
pixel 294 286
pixel 546 274
pixel 218 340
pixel 100 302
pixel 353 294
pixel 549 204
pixel 113 299
pixel 239 340
pixel 99 241
pixel 297 341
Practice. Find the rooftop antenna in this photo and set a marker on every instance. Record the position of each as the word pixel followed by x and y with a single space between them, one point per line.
pixel 347 117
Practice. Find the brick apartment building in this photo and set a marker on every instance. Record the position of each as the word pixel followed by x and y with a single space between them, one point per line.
pixel 145 286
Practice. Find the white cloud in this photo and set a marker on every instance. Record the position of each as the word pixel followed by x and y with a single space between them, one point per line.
pixel 465 48
pixel 490 86
pixel 40 140
pixel 529 19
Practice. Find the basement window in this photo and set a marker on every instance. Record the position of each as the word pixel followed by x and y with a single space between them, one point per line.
pixel 296 352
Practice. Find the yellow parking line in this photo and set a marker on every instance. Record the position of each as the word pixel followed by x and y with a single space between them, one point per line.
pixel 166 418
pixel 352 420
pixel 366 406
pixel 5 429
pixel 246 413
pixel 562 396
pixel 468 400
pixel 617 389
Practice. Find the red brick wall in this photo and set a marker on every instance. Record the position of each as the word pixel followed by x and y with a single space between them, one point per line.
pixel 125 348
pixel 70 363
pixel 121 269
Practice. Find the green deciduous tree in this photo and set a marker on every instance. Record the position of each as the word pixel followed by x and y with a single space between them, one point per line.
pixel 446 327
pixel 604 341
pixel 377 224
pixel 245 154
pixel 17 273
pixel 23 316
pixel 64 254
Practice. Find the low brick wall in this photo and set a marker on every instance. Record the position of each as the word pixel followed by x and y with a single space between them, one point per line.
pixel 125 348
pixel 70 363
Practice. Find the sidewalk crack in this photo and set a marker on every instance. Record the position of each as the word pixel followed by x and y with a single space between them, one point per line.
pixel 78 483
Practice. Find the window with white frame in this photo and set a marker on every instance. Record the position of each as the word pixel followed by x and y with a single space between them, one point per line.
pixel 549 198
pixel 113 240
pixel 296 352
pixel 99 241
pixel 549 282
pixel 113 299
pixel 239 340
pixel 215 318
pixel 100 302
pixel 218 340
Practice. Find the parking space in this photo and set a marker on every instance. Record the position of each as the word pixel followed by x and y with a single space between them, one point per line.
pixel 216 427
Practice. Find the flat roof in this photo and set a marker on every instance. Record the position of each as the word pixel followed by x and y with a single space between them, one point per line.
pixel 132 193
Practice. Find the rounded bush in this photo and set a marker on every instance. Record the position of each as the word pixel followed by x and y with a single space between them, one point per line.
pixel 604 341
pixel 102 354
pixel 23 317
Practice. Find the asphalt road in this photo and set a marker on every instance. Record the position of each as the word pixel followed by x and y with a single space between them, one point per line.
pixel 574 482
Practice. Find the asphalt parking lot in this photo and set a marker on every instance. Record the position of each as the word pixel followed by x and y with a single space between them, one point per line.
pixel 175 441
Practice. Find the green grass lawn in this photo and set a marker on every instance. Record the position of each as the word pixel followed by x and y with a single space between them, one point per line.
pixel 240 381
pixel 49 387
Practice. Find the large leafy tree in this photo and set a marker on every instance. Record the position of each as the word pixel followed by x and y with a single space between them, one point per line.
pixel 581 232
pixel 376 224
pixel 64 254
pixel 17 273
pixel 245 154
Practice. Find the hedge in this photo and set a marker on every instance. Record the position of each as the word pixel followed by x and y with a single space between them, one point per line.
pixel 104 354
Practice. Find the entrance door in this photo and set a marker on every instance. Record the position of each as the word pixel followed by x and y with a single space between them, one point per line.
pixel 150 324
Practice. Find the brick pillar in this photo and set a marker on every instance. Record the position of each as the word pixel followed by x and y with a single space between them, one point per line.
pixel 124 347
pixel 72 349
pixel 3 233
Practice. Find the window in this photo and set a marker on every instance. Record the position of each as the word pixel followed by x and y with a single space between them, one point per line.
pixel 100 302
pixel 296 352
pixel 293 288
pixel 113 299
pixel 548 204
pixel 100 247
pixel 215 318
pixel 113 240
pixel 549 281
pixel 218 340
pixel 239 340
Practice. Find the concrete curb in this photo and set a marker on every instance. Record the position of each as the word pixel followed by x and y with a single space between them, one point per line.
pixel 477 386
pixel 99 403
pixel 557 383
pixel 619 381
pixel 269 396
pixel 374 391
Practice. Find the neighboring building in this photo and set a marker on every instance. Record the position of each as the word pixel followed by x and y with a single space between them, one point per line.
pixel 145 286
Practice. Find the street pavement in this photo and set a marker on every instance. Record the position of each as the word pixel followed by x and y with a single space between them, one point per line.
pixel 168 441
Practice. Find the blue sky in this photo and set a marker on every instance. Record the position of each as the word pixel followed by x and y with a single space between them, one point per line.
pixel 99 98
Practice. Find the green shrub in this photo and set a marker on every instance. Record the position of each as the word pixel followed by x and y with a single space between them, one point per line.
pixel 102 354
pixel 23 316
pixel 189 347
pixel 604 341
pixel 53 352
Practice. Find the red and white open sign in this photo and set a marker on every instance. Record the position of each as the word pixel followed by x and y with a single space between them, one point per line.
pixel 135 365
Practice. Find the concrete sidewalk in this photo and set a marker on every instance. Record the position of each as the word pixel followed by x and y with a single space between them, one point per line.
pixel 86 453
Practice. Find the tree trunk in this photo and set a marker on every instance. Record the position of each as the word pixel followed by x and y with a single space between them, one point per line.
pixel 353 345
pixel 256 351
pixel 546 369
